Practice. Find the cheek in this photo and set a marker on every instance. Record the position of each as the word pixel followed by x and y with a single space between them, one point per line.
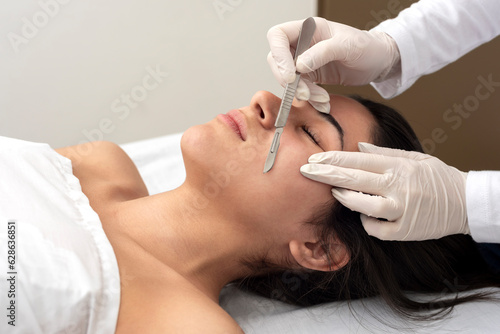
pixel 289 196
pixel 210 148
pixel 273 200
pixel 302 196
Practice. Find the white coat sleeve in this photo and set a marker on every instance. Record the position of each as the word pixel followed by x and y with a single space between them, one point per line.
pixel 483 209
pixel 433 33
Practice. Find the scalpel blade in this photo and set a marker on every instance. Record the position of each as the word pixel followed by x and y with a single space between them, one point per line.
pixel 271 156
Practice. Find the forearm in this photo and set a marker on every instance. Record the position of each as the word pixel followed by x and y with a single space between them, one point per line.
pixel 433 33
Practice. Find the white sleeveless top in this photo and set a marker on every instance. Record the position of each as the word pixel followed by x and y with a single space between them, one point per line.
pixel 64 276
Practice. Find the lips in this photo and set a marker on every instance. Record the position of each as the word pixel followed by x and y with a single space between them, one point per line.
pixel 236 121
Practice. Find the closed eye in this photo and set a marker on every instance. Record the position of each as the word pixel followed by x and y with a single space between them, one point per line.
pixel 311 134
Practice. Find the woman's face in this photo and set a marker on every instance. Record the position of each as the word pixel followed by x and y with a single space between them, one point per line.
pixel 225 158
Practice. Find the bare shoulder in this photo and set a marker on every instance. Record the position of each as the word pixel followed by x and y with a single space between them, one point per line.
pixel 207 320
pixel 103 167
pixel 195 325
pixel 176 309
pixel 212 319
pixel 96 155
pixel 201 319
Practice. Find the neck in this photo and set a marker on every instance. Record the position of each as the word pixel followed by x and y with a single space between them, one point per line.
pixel 203 244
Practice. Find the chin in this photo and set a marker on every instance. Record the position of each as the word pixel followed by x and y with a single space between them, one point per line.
pixel 203 149
pixel 192 138
pixel 212 168
pixel 193 144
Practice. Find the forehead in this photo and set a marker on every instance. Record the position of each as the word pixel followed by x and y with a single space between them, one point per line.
pixel 354 118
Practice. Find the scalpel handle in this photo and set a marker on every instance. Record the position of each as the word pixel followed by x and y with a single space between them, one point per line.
pixel 305 38
pixel 286 102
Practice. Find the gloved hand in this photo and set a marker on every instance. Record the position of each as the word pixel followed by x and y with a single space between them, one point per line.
pixel 340 55
pixel 419 195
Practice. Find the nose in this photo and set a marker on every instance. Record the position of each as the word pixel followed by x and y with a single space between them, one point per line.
pixel 266 106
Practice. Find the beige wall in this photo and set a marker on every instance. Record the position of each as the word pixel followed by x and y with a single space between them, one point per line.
pixel 471 144
pixel 129 70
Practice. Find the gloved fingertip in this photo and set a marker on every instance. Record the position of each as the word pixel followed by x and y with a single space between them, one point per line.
pixel 316 158
pixel 323 107
pixel 366 147
pixel 288 76
pixel 337 193
pixel 319 106
pixel 380 229
pixel 302 94
pixel 308 169
pixel 320 97
pixel 371 225
pixel 304 64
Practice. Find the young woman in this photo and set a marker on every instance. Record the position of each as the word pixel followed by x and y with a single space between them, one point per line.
pixel 229 222
pixel 179 248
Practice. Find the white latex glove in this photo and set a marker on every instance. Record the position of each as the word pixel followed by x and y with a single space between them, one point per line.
pixel 340 55
pixel 419 195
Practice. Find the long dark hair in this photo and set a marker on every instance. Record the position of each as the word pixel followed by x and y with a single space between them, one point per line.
pixel 383 268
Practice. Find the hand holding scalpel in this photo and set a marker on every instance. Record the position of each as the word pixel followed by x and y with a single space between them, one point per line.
pixel 305 37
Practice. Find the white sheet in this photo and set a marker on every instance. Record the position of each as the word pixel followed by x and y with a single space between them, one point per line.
pixel 160 163
pixel 63 275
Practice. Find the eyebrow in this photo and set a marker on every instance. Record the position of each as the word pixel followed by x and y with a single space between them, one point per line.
pixel 337 126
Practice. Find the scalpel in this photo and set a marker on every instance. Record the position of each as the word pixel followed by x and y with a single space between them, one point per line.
pixel 305 37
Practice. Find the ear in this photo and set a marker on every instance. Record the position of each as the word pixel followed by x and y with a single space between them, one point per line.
pixel 312 255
